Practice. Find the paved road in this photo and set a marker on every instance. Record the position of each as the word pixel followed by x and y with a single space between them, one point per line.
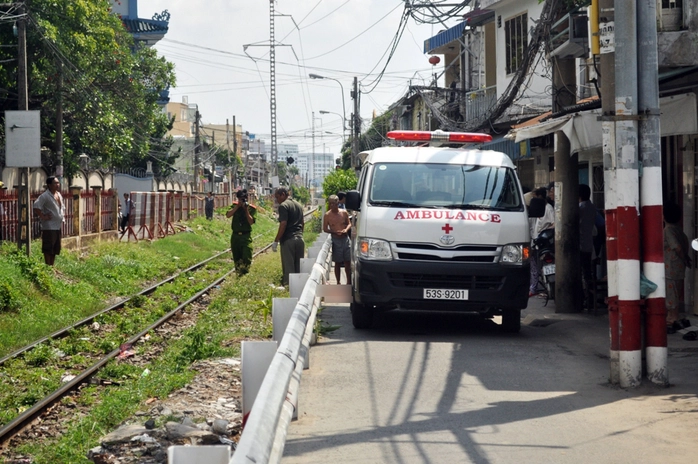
pixel 426 388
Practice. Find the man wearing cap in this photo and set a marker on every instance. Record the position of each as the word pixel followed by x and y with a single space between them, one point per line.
pixel 244 215
pixel 50 208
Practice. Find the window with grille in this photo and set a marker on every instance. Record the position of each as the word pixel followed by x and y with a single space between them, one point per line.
pixel 516 40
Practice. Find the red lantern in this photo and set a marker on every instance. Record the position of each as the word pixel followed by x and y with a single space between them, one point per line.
pixel 434 60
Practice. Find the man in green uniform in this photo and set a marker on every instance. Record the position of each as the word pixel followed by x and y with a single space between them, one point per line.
pixel 243 215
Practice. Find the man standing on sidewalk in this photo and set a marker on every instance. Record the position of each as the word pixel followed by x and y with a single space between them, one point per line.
pixel 336 222
pixel 50 208
pixel 290 234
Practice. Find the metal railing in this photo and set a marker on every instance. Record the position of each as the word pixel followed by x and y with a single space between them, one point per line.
pixel 264 436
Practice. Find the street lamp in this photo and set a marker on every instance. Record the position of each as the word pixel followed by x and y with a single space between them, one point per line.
pixel 344 124
pixel 344 109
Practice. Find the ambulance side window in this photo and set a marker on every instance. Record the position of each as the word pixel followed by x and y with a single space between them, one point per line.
pixel 362 180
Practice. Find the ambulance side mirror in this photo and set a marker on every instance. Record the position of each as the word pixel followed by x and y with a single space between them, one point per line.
pixel 353 200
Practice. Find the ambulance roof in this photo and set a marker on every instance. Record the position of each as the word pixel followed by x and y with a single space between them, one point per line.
pixel 437 155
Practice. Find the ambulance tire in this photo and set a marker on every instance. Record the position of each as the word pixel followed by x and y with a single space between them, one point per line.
pixel 511 320
pixel 361 316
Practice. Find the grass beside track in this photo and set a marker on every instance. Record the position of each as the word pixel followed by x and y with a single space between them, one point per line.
pixel 36 300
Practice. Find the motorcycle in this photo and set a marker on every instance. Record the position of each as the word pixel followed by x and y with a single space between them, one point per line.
pixel 544 247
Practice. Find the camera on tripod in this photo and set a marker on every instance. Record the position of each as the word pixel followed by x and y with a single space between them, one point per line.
pixel 242 196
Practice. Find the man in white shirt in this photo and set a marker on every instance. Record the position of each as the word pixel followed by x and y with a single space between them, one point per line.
pixel 50 208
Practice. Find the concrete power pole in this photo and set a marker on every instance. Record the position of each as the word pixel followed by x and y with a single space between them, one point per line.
pixel 627 194
pixel 355 126
pixel 197 151
pixel 606 51
pixel 651 194
pixel 24 196
pixel 567 265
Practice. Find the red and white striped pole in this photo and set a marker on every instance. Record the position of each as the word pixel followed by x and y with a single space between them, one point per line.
pixel 651 195
pixel 627 194
pixel 611 256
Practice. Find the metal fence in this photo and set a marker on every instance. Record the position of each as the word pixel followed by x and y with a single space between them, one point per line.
pixel 163 208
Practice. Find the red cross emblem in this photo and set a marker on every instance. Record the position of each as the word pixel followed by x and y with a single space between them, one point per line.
pixel 447 228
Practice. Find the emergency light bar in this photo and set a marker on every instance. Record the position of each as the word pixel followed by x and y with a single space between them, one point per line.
pixel 439 136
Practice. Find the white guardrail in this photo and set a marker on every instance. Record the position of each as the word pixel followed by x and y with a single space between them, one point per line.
pixel 264 435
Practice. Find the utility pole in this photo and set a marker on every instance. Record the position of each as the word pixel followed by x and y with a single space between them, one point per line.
pixel 235 150
pixel 355 126
pixel 606 50
pixel 311 170
pixel 59 124
pixel 24 197
pixel 627 194
pixel 212 177
pixel 230 167
pixel 567 265
pixel 651 194
pixel 197 151
pixel 272 86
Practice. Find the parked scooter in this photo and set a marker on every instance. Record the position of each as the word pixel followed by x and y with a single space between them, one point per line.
pixel 544 246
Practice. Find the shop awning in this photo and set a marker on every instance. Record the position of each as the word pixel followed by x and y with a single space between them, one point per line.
pixel 583 129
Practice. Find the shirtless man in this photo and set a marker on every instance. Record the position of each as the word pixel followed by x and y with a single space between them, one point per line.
pixel 336 222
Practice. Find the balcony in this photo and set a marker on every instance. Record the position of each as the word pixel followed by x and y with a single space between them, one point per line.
pixel 569 36
pixel 479 104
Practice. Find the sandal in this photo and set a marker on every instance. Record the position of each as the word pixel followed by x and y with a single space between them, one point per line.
pixel 691 336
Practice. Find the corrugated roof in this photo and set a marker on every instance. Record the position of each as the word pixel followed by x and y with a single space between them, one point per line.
pixel 444 37
pixel 145 26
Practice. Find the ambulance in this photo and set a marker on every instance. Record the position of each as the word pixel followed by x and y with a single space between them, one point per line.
pixel 439 227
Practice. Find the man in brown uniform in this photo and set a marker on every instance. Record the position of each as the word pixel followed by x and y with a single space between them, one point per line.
pixel 336 222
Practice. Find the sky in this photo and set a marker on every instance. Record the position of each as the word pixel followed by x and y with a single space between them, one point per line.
pixel 339 39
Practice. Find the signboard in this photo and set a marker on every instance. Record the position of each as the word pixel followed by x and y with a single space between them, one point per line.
pixel 23 139
pixel 607 39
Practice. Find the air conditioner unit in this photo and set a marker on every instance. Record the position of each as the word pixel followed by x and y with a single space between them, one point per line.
pixel 570 36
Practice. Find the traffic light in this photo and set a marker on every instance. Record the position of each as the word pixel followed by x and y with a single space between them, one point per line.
pixel 290 159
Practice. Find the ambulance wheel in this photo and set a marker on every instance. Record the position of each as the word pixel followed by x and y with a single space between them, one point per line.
pixel 511 320
pixel 361 316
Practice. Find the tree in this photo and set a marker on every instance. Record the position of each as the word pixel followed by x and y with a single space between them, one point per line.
pixel 300 194
pixel 339 180
pixel 79 52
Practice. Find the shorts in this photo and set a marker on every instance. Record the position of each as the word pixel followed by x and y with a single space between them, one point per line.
pixel 341 249
pixel 51 242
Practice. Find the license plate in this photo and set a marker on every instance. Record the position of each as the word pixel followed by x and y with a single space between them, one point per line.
pixel 549 269
pixel 444 294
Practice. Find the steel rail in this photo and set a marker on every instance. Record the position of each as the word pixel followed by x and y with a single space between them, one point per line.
pixel 20 422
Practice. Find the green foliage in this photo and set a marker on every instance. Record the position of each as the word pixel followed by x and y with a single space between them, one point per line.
pixel 265 305
pixel 314 224
pixel 10 297
pixel 80 52
pixel 37 272
pixel 375 135
pixel 339 180
pixel 300 194
pixel 196 348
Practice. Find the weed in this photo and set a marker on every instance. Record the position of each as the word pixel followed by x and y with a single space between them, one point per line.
pixel 40 355
pixel 10 298
pixel 265 305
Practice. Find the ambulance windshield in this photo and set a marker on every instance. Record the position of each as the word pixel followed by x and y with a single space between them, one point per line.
pixel 445 186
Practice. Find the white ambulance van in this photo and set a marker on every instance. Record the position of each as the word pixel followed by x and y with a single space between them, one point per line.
pixel 439 229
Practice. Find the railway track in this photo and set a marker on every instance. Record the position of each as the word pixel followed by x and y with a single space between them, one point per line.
pixel 92 363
